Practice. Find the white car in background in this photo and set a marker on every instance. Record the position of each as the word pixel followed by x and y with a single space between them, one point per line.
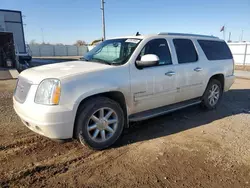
pixel 123 80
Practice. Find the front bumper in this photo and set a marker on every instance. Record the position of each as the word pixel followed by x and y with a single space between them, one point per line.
pixel 54 122
pixel 229 80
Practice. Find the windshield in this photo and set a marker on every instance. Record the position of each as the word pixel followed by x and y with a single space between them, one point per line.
pixel 113 52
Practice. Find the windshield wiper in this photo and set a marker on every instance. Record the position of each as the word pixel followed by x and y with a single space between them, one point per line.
pixel 83 59
pixel 101 61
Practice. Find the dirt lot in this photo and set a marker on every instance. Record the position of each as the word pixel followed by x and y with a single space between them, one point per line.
pixel 189 148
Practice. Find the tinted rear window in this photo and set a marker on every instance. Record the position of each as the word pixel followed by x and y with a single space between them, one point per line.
pixel 215 50
pixel 185 51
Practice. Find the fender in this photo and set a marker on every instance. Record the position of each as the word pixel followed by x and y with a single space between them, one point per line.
pixel 93 92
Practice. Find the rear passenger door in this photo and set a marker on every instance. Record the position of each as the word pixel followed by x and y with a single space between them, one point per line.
pixel 189 70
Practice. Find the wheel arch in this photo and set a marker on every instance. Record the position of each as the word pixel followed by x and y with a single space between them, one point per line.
pixel 220 77
pixel 115 95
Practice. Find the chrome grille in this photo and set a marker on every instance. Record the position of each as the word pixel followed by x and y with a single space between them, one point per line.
pixel 22 89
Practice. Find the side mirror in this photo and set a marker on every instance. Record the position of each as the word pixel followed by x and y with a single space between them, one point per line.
pixel 148 60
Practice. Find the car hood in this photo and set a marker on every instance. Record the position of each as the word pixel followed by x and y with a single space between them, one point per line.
pixel 61 70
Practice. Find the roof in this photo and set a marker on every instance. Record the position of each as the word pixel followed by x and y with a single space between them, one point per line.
pixel 171 35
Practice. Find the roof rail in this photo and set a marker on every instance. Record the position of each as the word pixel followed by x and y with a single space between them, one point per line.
pixel 187 34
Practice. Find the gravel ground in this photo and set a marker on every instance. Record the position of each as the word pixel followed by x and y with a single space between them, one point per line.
pixel 188 148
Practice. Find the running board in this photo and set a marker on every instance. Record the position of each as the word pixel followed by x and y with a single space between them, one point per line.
pixel 162 110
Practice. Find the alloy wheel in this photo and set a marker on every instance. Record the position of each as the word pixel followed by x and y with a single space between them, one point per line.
pixel 102 124
pixel 214 94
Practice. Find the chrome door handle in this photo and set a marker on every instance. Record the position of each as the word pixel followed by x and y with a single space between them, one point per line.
pixel 170 73
pixel 198 69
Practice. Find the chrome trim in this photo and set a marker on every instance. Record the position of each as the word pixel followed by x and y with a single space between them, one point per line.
pixel 22 89
pixel 187 34
pixel 170 73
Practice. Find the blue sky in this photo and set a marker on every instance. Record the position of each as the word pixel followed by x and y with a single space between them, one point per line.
pixel 65 21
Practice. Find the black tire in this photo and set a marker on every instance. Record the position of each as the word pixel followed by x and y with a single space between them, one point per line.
pixel 205 98
pixel 84 115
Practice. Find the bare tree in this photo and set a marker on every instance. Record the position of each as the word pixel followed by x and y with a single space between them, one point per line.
pixel 33 42
pixel 80 43
pixel 46 43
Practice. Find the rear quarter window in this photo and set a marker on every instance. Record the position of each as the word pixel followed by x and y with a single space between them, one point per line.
pixel 215 50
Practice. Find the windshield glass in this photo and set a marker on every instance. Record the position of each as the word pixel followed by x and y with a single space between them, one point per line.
pixel 113 52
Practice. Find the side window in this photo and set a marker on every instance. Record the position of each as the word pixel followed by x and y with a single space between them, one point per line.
pixel 160 48
pixel 215 50
pixel 185 51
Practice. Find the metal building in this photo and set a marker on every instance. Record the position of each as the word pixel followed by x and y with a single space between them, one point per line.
pixel 13 51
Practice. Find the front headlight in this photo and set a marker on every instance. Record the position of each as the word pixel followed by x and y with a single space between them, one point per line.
pixel 48 92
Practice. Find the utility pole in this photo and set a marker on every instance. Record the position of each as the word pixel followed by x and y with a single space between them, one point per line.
pixel 103 20
pixel 224 32
pixel 42 35
pixel 229 37
pixel 242 35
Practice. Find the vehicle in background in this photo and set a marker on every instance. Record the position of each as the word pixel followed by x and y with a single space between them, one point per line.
pixel 13 51
pixel 123 80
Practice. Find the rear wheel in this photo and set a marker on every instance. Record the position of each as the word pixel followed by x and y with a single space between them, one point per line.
pixel 212 95
pixel 100 122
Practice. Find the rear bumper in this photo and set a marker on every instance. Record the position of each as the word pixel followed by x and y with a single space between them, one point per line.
pixel 54 122
pixel 229 80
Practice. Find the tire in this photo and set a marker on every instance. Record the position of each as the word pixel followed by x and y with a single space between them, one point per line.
pixel 207 98
pixel 93 130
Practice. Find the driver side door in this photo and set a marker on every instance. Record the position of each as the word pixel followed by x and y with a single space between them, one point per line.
pixel 154 86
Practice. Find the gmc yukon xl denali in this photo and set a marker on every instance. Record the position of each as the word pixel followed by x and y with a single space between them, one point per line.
pixel 123 80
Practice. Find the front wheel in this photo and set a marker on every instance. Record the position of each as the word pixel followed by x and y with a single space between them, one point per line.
pixel 212 95
pixel 99 123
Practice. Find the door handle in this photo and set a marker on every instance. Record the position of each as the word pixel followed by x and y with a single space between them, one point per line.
pixel 198 69
pixel 170 73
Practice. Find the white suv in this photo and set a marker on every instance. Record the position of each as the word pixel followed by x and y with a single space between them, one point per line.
pixel 123 80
